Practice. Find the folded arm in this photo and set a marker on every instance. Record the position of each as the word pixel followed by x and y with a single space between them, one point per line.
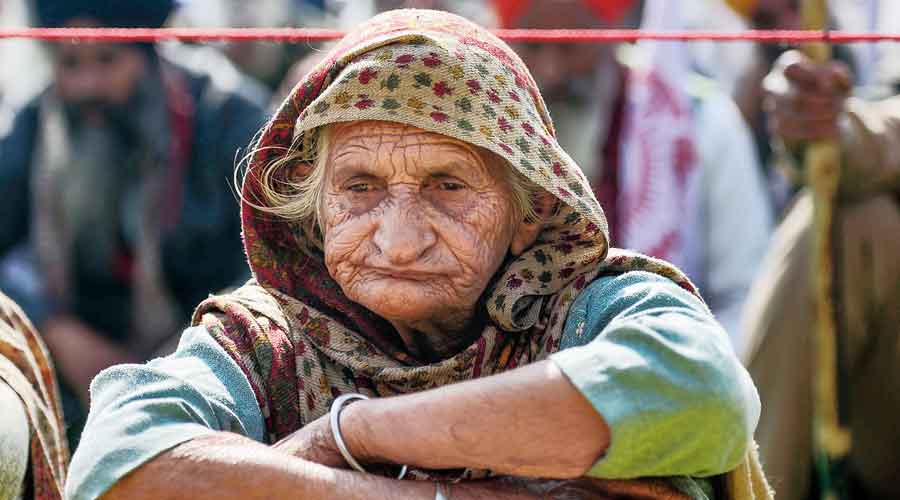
pixel 528 422
pixel 655 390
pixel 225 465
pixel 191 421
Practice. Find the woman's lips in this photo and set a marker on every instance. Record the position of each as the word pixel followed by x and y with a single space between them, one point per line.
pixel 405 274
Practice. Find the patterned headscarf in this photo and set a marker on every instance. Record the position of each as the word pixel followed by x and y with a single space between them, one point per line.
pixel 300 341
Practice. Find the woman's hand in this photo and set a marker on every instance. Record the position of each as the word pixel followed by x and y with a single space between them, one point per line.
pixel 530 422
pixel 314 443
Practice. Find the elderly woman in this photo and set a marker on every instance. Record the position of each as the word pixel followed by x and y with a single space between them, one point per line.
pixel 433 299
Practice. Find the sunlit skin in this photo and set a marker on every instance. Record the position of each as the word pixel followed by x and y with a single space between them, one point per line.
pixel 415 226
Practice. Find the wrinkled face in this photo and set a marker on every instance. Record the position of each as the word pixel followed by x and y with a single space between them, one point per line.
pixel 415 223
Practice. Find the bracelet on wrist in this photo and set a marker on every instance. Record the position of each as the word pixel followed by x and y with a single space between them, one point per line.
pixel 335 419
pixel 442 491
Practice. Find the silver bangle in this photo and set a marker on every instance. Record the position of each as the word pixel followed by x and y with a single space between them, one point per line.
pixel 335 418
pixel 442 492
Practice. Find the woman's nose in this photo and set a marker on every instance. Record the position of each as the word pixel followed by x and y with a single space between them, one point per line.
pixel 404 235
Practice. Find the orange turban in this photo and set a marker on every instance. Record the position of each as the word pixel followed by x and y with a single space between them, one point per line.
pixel 743 7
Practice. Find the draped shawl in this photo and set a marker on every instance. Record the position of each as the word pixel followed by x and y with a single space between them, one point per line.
pixel 298 339
pixel 26 367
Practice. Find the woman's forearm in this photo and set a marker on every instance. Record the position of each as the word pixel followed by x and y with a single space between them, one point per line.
pixel 528 422
pixel 224 465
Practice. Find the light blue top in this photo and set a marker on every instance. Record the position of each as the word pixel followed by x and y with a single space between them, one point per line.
pixel 647 354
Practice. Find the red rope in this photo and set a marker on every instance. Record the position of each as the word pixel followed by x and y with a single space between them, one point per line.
pixel 517 35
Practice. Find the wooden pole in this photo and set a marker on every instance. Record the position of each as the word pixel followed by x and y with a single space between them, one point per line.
pixel 822 168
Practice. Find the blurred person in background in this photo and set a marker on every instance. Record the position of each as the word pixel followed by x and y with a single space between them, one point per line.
pixel 809 102
pixel 114 189
pixel 676 173
pixel 346 15
pixel 267 62
pixel 477 11
pixel 748 93
pixel 748 90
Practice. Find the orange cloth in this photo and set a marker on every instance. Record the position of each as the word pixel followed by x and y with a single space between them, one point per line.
pixel 743 7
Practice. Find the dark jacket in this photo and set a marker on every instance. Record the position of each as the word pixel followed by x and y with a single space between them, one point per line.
pixel 203 253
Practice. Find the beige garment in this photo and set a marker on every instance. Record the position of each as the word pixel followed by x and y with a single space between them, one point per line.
pixel 14 443
pixel 780 316
pixel 25 367
pixel 871 146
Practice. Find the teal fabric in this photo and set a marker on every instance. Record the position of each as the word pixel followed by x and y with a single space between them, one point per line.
pixel 655 363
pixel 140 411
pixel 647 354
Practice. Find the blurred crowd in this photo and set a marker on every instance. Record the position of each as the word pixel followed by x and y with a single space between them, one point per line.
pixel 119 214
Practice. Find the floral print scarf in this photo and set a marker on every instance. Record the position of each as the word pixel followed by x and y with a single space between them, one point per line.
pixel 299 340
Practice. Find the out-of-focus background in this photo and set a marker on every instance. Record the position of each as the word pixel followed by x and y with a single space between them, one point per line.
pixel 117 212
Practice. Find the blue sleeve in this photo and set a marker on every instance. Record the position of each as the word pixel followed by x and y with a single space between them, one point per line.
pixel 653 361
pixel 140 411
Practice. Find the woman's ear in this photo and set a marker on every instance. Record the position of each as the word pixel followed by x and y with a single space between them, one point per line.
pixel 527 232
pixel 296 171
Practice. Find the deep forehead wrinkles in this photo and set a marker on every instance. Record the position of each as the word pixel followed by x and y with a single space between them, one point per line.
pixel 404 150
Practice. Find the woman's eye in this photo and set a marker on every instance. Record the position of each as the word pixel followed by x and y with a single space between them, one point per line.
pixel 360 187
pixel 451 186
